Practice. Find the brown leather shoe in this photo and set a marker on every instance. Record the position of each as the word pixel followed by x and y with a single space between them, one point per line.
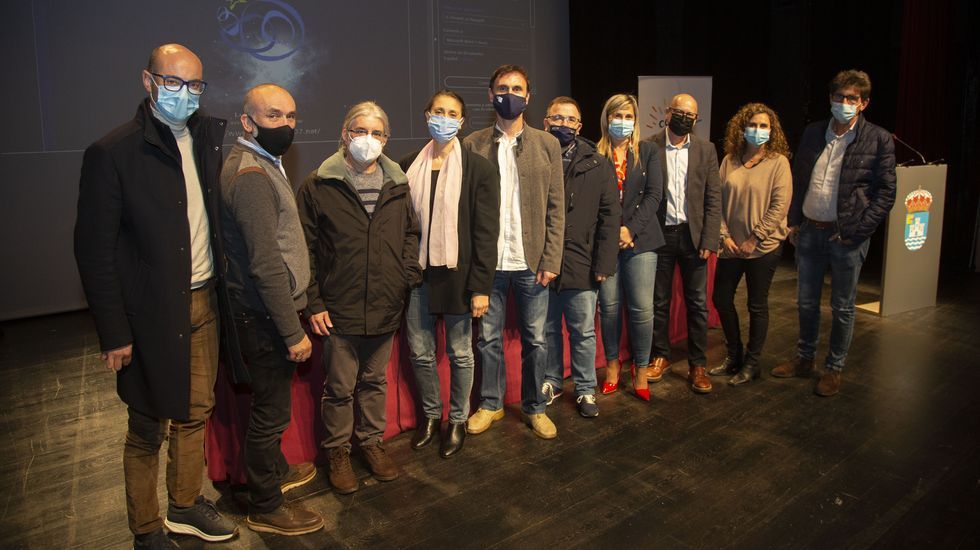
pixel 341 473
pixel 298 475
pixel 288 520
pixel 829 383
pixel 797 367
pixel 698 380
pixel 382 468
pixel 657 369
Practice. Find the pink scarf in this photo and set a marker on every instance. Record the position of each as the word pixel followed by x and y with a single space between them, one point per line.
pixel 440 246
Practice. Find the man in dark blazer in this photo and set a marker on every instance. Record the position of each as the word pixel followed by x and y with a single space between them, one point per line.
pixel 691 217
pixel 148 248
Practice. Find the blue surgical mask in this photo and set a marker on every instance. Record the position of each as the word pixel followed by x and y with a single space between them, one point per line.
pixel 843 112
pixel 443 128
pixel 177 106
pixel 509 106
pixel 756 136
pixel 620 128
pixel 564 134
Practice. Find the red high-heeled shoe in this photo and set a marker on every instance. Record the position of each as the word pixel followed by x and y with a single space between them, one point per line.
pixel 643 393
pixel 608 388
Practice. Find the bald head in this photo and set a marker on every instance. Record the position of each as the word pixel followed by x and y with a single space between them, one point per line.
pixel 269 106
pixel 172 60
pixel 684 102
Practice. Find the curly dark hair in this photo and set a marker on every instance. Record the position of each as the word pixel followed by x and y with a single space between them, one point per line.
pixel 735 140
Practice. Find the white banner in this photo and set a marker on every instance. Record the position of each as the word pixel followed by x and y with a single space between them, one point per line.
pixel 656 93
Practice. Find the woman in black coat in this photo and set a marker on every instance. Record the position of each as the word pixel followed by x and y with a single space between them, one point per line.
pixel 456 195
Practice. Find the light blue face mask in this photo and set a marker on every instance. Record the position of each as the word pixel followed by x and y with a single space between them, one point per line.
pixel 177 106
pixel 619 128
pixel 443 128
pixel 756 136
pixel 843 112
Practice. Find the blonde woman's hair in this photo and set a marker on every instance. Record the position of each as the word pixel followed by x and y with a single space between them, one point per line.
pixel 364 108
pixel 613 104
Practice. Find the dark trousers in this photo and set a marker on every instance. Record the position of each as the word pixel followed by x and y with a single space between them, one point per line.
pixel 679 250
pixel 272 376
pixel 758 278
pixel 356 369
pixel 185 449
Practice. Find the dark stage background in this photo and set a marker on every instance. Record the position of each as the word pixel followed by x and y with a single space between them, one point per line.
pixel 73 73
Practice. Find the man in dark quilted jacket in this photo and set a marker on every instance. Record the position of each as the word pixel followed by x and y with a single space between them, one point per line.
pixel 843 188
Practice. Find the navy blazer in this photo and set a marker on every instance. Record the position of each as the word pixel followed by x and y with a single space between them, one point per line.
pixel 643 190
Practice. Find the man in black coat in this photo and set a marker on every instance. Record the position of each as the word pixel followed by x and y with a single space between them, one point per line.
pixel 592 220
pixel 843 188
pixel 691 217
pixel 149 253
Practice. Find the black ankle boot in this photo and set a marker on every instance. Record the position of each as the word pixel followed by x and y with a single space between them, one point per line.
pixel 425 433
pixel 728 367
pixel 748 373
pixel 453 441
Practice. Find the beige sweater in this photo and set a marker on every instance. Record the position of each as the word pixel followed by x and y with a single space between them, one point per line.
pixel 755 201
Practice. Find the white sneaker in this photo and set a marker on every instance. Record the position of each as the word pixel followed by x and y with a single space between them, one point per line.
pixel 551 392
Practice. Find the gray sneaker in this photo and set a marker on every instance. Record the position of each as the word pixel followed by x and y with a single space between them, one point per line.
pixel 551 392
pixel 201 520
pixel 157 540
pixel 587 406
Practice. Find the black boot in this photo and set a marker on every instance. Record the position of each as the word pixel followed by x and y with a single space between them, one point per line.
pixel 453 442
pixel 728 367
pixel 425 433
pixel 749 372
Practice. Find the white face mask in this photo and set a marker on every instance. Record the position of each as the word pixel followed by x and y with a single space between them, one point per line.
pixel 365 149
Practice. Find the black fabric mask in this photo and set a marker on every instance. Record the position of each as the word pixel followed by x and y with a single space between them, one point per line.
pixel 509 106
pixel 680 125
pixel 275 141
pixel 564 134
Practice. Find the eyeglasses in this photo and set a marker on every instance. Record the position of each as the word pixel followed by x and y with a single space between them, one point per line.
pixel 693 117
pixel 563 119
pixel 361 132
pixel 175 83
pixel 849 99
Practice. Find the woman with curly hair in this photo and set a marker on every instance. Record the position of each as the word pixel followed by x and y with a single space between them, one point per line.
pixel 756 194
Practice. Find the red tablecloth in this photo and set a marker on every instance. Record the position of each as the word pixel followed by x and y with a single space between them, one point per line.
pixel 300 443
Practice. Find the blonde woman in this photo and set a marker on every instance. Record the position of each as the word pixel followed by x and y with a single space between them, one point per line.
pixel 640 182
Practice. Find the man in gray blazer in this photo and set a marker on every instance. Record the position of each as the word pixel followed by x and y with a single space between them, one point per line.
pixel 529 248
pixel 691 216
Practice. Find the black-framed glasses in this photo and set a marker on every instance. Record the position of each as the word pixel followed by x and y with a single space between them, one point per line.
pixel 849 99
pixel 563 119
pixel 175 83
pixel 693 117
pixel 361 132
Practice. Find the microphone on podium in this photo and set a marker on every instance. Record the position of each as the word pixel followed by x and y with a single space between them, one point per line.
pixel 909 147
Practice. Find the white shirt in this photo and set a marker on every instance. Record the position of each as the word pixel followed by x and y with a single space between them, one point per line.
pixel 820 203
pixel 677 181
pixel 510 241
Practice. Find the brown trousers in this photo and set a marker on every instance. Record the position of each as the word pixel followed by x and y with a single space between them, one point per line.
pixel 185 450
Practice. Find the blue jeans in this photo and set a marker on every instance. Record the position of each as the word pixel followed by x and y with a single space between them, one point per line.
pixel 420 330
pixel 578 308
pixel 814 254
pixel 633 282
pixel 532 303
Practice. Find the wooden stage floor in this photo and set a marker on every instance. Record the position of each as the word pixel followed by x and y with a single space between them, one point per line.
pixel 891 462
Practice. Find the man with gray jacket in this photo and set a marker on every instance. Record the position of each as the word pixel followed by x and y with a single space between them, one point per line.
pixel 268 273
pixel 529 248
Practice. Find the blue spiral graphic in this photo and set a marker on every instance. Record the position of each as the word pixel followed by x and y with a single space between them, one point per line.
pixel 268 30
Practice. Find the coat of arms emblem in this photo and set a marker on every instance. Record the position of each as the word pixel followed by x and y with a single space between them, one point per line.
pixel 917 204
